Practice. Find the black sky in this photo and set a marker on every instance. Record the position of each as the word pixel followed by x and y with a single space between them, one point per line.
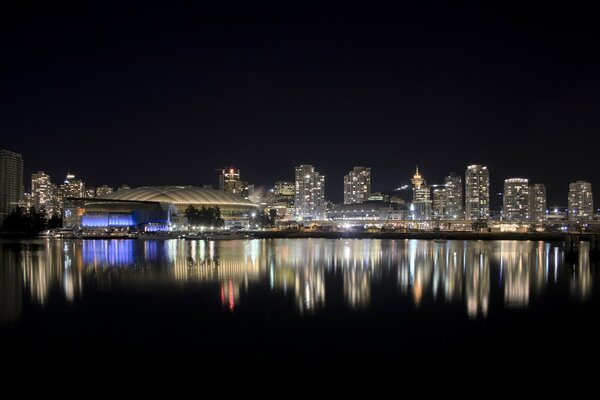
pixel 164 94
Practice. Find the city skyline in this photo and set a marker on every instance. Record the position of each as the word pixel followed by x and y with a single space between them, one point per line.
pixel 236 186
pixel 149 96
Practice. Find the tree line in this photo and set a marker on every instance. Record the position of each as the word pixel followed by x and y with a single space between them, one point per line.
pixel 29 221
pixel 208 216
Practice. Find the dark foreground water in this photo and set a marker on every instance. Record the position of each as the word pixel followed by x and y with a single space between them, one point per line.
pixel 315 303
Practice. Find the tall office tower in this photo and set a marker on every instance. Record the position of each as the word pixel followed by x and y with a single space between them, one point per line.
pixel 477 192
pixel 516 200
pixel 454 197
pixel 11 182
pixel 102 190
pixel 537 202
pixel 357 185
pixel 440 202
pixel 42 192
pixel 581 202
pixel 229 180
pixel 421 197
pixel 310 193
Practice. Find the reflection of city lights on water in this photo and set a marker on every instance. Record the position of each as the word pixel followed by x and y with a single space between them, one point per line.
pixel 460 273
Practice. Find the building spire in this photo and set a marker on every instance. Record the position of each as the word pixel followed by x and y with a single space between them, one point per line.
pixel 417 179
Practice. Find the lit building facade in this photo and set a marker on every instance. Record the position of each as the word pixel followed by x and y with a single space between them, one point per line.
pixel 43 192
pixel 103 190
pixel 229 179
pixel 454 197
pixel 11 181
pixel 229 182
pixel 309 193
pixel 581 202
pixel 477 192
pixel 421 207
pixel 281 199
pixel 440 201
pixel 516 200
pixel 537 203
pixel 89 192
pixel 357 185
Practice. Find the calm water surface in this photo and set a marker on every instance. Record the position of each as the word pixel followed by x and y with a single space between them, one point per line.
pixel 297 303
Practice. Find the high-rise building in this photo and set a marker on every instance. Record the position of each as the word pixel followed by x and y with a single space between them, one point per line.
pixel 454 197
pixel 11 181
pixel 581 202
pixel 477 192
pixel 72 187
pixel 309 193
pixel 440 202
pixel 229 180
pixel 516 200
pixel 42 192
pixel 537 202
pixel 421 206
pixel 102 190
pixel 281 199
pixel 357 185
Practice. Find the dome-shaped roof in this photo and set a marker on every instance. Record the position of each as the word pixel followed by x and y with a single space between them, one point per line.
pixel 180 195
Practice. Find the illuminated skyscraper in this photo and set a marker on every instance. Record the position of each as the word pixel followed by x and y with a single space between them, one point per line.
pixel 454 197
pixel 421 197
pixel 11 181
pixel 72 187
pixel 310 193
pixel 581 202
pixel 477 192
pixel 537 202
pixel 516 200
pixel 229 181
pixel 357 185
pixel 440 202
pixel 42 192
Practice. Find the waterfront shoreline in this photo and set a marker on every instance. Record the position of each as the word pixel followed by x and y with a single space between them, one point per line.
pixel 535 236
pixel 545 236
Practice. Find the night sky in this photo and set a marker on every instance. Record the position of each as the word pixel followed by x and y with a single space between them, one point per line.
pixel 164 94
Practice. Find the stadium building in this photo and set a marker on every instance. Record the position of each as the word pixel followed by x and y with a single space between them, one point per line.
pixel 151 207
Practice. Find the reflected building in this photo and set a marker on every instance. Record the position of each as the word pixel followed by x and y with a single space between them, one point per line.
pixel 453 272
